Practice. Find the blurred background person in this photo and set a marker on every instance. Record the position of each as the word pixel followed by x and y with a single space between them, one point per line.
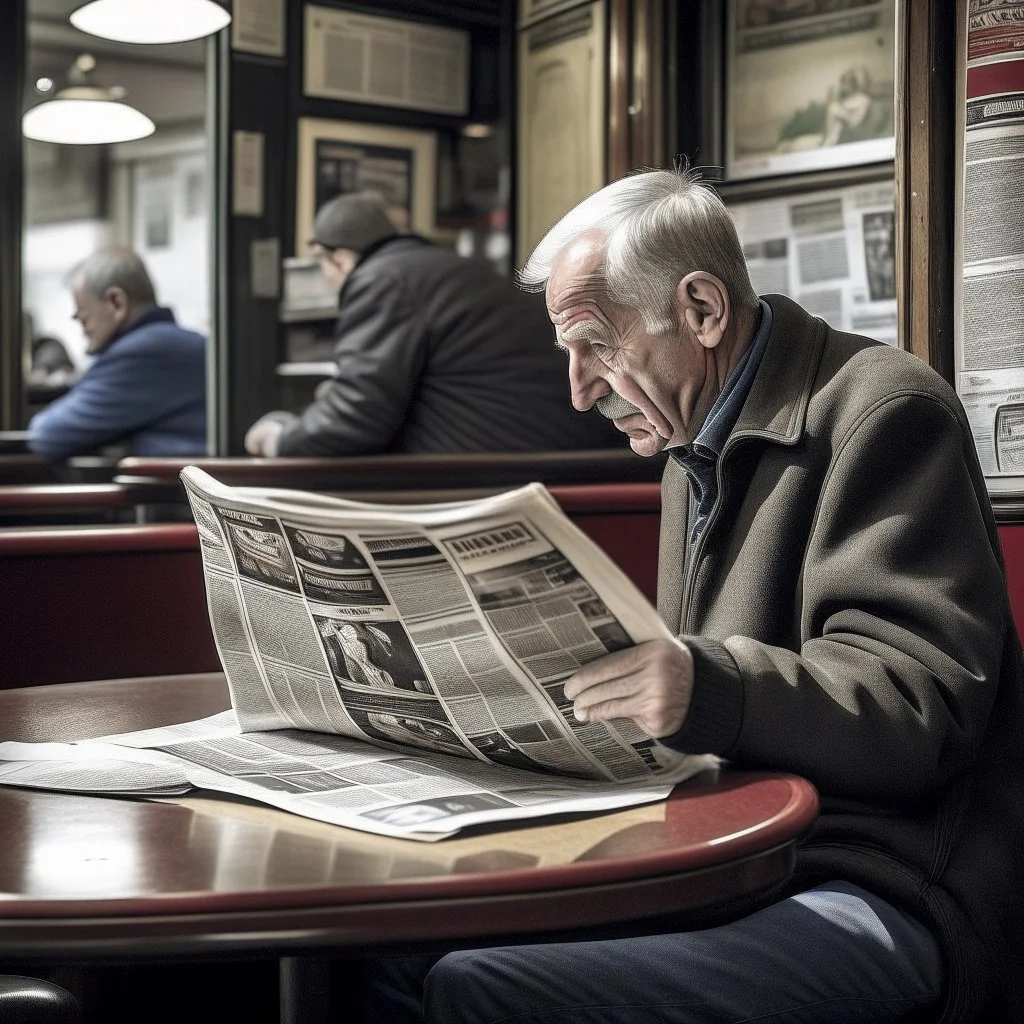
pixel 50 363
pixel 435 353
pixel 146 387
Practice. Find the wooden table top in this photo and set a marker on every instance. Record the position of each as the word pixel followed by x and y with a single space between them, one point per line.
pixel 85 876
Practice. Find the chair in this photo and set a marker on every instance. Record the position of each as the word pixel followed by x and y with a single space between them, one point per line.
pixel 32 1001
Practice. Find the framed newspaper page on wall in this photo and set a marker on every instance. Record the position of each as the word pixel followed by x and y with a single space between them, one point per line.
pixel 989 265
pixel 337 157
pixel 808 85
pixel 832 250
pixel 562 119
pixel 394 62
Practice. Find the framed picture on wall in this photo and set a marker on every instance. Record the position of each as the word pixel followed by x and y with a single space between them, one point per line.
pixel 988 294
pixel 832 250
pixel 364 58
pixel 808 85
pixel 533 10
pixel 562 119
pixel 337 157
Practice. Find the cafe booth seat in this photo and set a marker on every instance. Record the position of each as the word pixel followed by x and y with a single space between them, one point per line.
pixel 101 602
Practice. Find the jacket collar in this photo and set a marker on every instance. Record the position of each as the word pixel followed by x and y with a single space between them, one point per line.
pixel 371 250
pixel 153 315
pixel 776 407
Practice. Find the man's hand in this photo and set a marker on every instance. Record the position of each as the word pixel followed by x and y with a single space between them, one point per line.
pixel 651 683
pixel 262 437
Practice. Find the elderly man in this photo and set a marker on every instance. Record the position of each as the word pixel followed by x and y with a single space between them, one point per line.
pixel 147 385
pixel 435 353
pixel 830 564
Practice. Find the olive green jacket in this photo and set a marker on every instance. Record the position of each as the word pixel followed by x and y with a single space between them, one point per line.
pixel 849 621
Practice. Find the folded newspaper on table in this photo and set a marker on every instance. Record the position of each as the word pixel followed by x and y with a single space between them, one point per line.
pixel 393 668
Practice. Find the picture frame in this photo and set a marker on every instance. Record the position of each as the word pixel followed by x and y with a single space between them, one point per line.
pixel 808 86
pixel 335 157
pixel 988 255
pixel 354 57
pixel 530 11
pixel 833 250
pixel 563 126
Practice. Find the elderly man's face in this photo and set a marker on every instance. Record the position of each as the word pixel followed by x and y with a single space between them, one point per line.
pixel 642 382
pixel 101 317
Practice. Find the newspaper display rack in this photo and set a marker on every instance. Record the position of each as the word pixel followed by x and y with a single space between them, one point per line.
pixel 396 669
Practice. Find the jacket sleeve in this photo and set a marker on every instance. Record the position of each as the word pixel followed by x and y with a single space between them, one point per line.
pixel 123 391
pixel 902 623
pixel 380 356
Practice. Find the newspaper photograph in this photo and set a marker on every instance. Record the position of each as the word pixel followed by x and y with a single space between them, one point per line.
pixel 989 302
pixel 398 669
pixel 833 251
pixel 809 85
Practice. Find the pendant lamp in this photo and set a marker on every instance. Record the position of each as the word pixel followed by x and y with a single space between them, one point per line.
pixel 84 114
pixel 151 21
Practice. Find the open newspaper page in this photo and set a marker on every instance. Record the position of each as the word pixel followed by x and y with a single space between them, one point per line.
pixel 400 668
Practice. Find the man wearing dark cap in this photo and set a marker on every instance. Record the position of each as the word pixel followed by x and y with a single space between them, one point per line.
pixel 435 353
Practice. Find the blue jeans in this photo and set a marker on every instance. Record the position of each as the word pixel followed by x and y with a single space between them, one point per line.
pixel 833 954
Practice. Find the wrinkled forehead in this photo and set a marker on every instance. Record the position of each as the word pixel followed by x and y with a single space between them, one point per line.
pixel 577 274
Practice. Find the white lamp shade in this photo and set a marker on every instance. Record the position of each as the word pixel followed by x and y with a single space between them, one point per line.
pixel 85 122
pixel 151 21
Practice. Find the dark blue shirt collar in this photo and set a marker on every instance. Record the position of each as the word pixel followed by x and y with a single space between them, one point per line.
pixel 711 437
pixel 153 315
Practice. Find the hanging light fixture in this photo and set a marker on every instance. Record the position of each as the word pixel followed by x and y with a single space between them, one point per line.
pixel 85 115
pixel 151 21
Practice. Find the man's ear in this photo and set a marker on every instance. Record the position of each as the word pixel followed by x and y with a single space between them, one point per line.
pixel 118 300
pixel 703 301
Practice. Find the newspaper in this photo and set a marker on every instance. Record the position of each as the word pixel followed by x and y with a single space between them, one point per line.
pixel 398 669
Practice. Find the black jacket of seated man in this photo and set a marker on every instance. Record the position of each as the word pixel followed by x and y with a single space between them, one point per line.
pixel 437 353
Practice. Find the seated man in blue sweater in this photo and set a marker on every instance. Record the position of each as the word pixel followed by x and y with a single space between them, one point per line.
pixel 147 385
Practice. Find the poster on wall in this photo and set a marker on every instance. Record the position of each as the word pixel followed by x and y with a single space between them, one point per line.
pixel 832 251
pixel 388 61
pixel 562 124
pixel 338 157
pixel 247 174
pixel 809 85
pixel 257 26
pixel 989 299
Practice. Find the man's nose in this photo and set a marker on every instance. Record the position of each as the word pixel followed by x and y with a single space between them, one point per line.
pixel 585 386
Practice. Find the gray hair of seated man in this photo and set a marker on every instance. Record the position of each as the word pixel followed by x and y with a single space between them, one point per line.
pixel 659 226
pixel 116 266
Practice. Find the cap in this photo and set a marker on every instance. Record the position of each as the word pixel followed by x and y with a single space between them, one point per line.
pixel 353 221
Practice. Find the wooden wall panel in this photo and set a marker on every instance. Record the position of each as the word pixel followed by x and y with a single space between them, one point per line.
pixel 925 179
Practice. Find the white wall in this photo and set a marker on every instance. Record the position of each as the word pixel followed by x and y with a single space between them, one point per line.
pixel 49 253
pixel 170 231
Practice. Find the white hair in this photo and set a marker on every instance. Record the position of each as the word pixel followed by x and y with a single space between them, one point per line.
pixel 658 226
pixel 116 266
